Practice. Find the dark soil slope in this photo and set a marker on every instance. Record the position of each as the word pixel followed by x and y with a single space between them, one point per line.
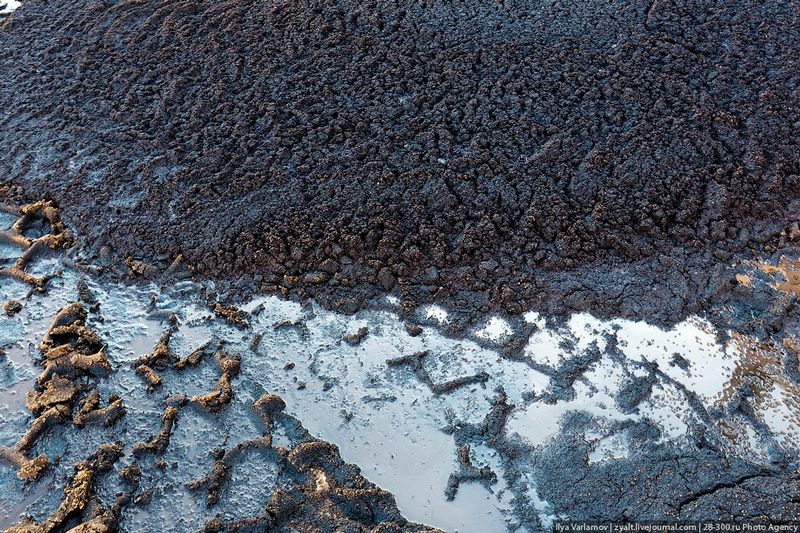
pixel 611 155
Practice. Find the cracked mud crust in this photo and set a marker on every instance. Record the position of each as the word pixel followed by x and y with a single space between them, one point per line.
pixel 606 156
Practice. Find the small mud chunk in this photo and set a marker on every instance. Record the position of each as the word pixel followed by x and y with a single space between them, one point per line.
pixel 354 339
pixel 222 394
pixel 131 474
pixel 177 400
pixel 177 270
pixel 680 361
pixel 413 329
pixel 416 362
pixel 12 307
pixel 150 376
pixel 144 498
pixel 86 295
pixel 232 315
pixel 157 444
pixel 379 399
pixel 140 268
pixel 255 341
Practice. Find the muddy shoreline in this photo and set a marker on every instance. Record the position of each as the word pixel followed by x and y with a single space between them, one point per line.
pixel 658 289
pixel 690 422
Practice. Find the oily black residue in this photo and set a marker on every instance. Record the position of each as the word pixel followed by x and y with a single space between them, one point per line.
pixel 609 156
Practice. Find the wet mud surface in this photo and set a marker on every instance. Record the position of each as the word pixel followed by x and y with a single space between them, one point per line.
pixel 91 392
pixel 613 157
pixel 277 415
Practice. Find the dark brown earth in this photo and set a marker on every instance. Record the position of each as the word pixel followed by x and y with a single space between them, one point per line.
pixel 612 156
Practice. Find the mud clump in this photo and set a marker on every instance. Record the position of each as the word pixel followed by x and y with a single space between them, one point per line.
pixel 43 218
pixel 72 352
pixel 160 358
pixel 56 391
pixel 413 329
pixel 77 498
pixel 229 366
pixel 91 412
pixel 230 314
pixel 31 469
pixel 505 156
pixel 193 359
pixel 70 348
pixel 157 444
pixel 11 308
pixel 354 339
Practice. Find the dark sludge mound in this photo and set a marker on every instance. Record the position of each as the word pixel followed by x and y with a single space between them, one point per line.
pixel 610 156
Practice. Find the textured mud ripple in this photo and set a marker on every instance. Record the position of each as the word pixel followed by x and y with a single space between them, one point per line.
pixel 607 155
